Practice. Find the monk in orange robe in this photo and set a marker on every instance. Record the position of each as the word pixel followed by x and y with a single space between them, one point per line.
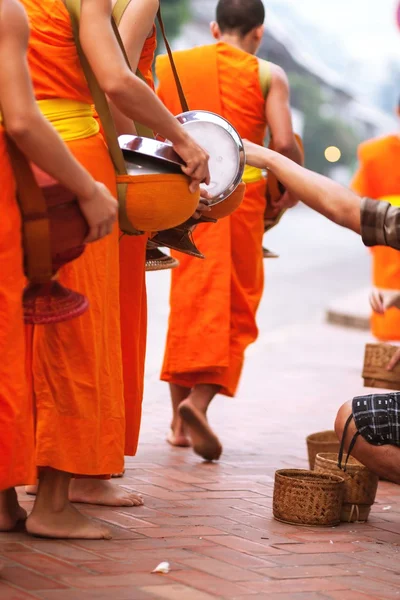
pixel 134 21
pixel 77 366
pixel 214 303
pixel 38 140
pixel 378 177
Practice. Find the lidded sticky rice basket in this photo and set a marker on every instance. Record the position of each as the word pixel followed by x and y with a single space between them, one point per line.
pixel 360 485
pixel 303 497
pixel 375 373
pixel 323 441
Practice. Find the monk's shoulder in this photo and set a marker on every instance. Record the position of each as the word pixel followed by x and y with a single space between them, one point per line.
pixel 190 54
pixel 373 149
pixel 278 76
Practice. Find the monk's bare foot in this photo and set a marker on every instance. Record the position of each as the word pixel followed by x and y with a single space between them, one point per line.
pixel 67 523
pixel 181 441
pixel 103 492
pixel 204 441
pixel 177 434
pixel 11 512
pixel 31 490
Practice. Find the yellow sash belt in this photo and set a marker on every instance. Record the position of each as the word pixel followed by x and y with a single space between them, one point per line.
pixel 251 174
pixel 72 120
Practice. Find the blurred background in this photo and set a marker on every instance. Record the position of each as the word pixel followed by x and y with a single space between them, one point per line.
pixel 342 59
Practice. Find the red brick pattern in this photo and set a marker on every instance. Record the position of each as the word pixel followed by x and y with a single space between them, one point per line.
pixel 213 522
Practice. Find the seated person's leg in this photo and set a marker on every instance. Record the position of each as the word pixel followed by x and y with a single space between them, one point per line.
pixel 384 460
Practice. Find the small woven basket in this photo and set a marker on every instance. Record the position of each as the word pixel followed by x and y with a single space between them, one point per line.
pixel 376 359
pixel 360 485
pixel 156 260
pixel 304 497
pixel 324 441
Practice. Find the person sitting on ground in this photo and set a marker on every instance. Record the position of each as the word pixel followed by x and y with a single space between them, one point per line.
pixel 369 424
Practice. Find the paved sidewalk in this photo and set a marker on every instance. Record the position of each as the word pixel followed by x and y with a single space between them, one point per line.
pixel 213 522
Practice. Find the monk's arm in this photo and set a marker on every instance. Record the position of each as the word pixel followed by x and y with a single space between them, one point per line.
pixel 327 197
pixel 278 115
pixel 24 122
pixel 130 95
pixel 135 27
pixel 34 135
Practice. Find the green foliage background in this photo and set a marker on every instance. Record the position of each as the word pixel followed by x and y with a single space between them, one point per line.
pixel 175 13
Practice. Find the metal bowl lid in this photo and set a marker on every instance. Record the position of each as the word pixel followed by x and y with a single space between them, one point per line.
pixel 135 147
pixel 224 146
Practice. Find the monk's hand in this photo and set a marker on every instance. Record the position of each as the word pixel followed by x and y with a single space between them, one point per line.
pixel 286 201
pixel 394 360
pixel 204 204
pixel 382 300
pixel 100 210
pixel 376 302
pixel 195 159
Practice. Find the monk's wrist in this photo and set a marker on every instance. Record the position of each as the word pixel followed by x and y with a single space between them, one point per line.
pixel 271 159
pixel 179 136
pixel 87 189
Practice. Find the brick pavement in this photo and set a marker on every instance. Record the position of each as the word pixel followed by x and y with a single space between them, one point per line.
pixel 213 522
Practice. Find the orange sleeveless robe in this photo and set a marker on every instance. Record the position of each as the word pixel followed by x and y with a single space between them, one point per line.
pixel 214 302
pixel 77 365
pixel 17 453
pixel 134 301
pixel 378 177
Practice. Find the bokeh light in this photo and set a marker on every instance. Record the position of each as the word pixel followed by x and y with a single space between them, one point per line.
pixel 332 154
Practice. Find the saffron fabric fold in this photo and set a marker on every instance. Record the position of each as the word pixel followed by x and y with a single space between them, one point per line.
pixel 17 466
pixel 213 303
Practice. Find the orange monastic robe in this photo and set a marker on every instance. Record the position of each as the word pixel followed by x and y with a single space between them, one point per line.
pixel 214 302
pixel 378 177
pixel 77 365
pixel 16 415
pixel 134 301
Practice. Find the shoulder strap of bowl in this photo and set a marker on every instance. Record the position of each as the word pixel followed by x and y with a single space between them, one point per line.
pixel 178 83
pixel 265 76
pixel 99 98
pixel 119 9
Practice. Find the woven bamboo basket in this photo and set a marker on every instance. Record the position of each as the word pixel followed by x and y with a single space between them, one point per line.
pixel 323 441
pixel 156 260
pixel 304 497
pixel 376 359
pixel 360 485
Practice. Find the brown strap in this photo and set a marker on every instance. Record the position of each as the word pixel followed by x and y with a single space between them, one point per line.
pixel 99 98
pixel 36 225
pixel 119 9
pixel 265 76
pixel 181 93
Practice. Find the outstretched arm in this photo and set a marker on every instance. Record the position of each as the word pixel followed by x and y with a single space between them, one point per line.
pixel 327 197
pixel 34 135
